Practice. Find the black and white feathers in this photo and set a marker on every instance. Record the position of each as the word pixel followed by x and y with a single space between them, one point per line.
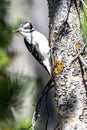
pixel 36 43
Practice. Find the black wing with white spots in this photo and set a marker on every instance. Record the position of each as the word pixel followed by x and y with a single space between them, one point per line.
pixel 33 51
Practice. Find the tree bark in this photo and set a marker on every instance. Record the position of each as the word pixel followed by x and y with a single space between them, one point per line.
pixel 67 69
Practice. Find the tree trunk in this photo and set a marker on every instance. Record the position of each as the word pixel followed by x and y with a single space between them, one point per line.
pixel 67 69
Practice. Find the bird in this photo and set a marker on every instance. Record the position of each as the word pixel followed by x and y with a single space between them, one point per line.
pixel 36 43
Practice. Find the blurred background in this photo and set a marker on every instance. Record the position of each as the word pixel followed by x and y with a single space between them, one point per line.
pixel 22 78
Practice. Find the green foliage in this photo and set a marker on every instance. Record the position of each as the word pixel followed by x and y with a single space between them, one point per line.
pixel 83 20
pixel 12 91
pixel 25 125
pixel 4 59
pixel 5 30
pixel 5 35
pixel 3 6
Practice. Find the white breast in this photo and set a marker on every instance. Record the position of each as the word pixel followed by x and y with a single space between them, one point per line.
pixel 40 41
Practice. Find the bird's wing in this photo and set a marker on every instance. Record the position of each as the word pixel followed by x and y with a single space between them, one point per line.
pixel 33 51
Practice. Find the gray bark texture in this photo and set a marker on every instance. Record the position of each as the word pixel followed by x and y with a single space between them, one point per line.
pixel 69 73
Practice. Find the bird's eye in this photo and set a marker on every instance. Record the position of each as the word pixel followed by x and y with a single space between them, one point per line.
pixel 27 27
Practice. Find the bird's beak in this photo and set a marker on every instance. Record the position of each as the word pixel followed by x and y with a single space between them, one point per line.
pixel 17 30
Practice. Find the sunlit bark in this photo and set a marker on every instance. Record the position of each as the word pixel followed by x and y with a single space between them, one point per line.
pixel 67 69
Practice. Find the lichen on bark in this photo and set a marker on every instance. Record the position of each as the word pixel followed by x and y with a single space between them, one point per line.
pixel 70 89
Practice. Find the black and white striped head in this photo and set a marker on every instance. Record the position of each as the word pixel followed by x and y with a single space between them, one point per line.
pixel 25 28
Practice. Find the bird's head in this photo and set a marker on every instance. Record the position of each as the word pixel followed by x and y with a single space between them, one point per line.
pixel 25 28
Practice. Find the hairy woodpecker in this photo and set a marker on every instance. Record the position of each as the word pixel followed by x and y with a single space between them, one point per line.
pixel 36 43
